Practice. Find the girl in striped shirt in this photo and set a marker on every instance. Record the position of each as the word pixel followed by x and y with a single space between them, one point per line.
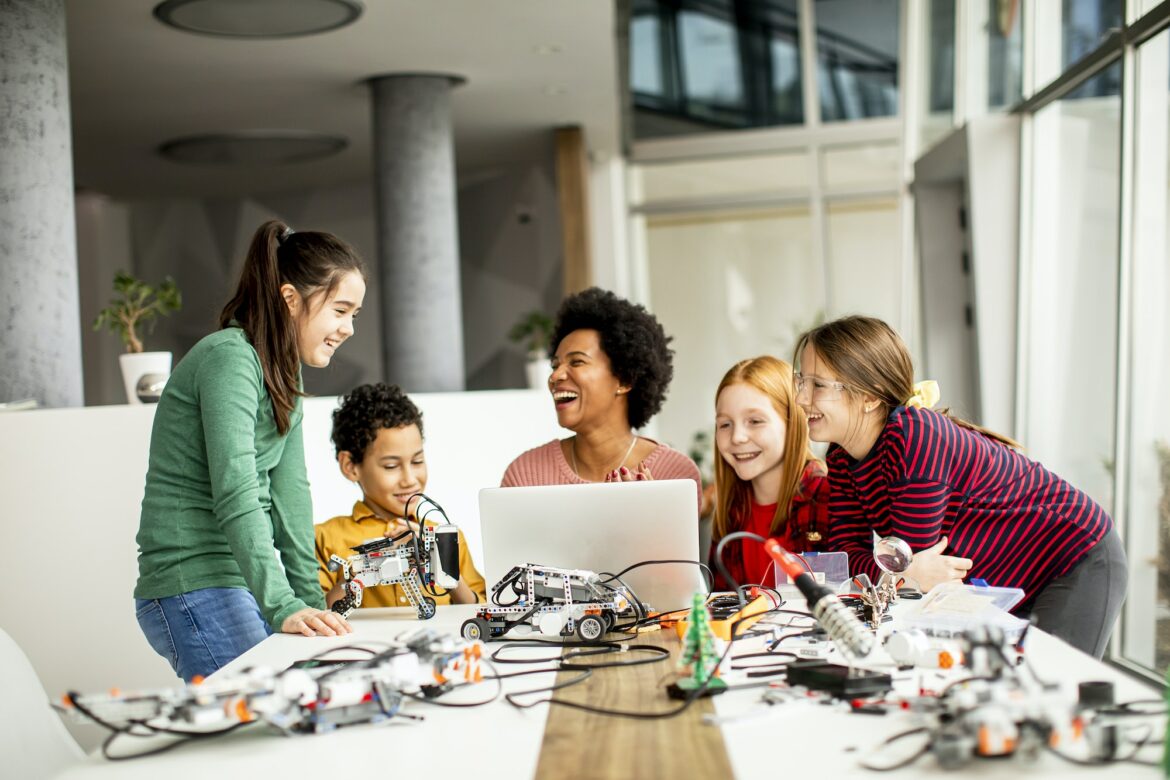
pixel 767 481
pixel 964 498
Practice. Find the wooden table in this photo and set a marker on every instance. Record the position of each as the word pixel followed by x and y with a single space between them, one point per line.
pixel 588 745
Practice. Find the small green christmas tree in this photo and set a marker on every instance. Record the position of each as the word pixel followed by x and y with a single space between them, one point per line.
pixel 700 652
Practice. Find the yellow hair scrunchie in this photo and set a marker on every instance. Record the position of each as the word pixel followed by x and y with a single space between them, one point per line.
pixel 925 395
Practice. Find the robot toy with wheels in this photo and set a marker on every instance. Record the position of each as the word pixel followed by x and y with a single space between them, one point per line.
pixel 550 601
pixel 416 560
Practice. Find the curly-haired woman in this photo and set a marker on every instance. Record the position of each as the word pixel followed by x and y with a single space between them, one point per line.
pixel 611 368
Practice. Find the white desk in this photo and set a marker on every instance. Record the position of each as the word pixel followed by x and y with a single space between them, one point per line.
pixel 499 741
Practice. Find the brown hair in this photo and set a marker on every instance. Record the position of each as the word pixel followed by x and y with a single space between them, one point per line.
pixel 773 378
pixel 870 358
pixel 311 263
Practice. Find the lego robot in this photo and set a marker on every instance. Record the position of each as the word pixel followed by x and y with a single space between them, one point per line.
pixel 551 601
pixel 299 700
pixel 415 560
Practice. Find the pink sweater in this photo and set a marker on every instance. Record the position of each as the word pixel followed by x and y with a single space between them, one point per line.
pixel 546 465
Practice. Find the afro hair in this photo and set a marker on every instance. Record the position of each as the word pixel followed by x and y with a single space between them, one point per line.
pixel 367 410
pixel 631 338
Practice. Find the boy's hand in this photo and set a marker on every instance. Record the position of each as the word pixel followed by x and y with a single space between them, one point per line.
pixel 398 525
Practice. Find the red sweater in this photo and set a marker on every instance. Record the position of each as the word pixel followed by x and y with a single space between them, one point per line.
pixel 746 560
pixel 927 477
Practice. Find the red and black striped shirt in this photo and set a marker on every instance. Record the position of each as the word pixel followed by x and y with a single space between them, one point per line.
pixel 927 477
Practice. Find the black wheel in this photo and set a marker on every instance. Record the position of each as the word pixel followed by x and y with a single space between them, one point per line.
pixel 426 610
pixel 609 619
pixel 476 630
pixel 344 606
pixel 591 629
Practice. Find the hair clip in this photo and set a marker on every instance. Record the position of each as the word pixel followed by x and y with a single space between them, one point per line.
pixel 285 234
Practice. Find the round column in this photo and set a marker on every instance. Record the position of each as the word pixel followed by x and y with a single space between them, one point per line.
pixel 418 243
pixel 40 327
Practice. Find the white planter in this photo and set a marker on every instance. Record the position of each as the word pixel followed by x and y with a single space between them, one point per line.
pixel 136 365
pixel 537 369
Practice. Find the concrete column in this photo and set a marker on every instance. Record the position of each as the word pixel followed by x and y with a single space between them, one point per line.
pixel 418 243
pixel 40 328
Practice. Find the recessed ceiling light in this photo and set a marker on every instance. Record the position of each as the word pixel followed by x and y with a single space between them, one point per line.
pixel 547 48
pixel 554 90
pixel 252 148
pixel 258 18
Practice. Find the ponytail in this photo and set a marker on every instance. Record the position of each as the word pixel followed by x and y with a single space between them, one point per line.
pixel 311 263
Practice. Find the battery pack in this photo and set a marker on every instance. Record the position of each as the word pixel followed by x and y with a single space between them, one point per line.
pixel 839 681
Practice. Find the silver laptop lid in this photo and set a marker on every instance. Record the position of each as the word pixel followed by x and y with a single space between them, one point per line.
pixel 603 527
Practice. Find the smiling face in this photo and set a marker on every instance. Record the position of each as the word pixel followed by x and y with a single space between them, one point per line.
pixel 750 434
pixel 584 389
pixel 323 321
pixel 835 414
pixel 393 469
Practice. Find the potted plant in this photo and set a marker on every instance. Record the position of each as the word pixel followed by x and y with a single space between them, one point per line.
pixel 132 311
pixel 534 330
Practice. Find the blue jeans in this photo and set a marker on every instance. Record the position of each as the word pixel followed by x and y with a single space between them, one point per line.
pixel 200 631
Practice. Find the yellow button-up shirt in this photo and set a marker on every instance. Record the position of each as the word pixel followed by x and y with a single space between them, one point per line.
pixel 338 536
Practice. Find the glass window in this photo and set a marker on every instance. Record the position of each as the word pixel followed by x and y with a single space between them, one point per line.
pixel 727 286
pixel 938 103
pixel 745 176
pixel 1084 24
pixel 646 67
pixel 709 52
pixel 1005 53
pixel 1072 304
pixel 714 65
pixel 1146 624
pixel 857 58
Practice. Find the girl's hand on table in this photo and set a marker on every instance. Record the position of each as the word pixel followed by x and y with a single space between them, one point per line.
pixel 314 622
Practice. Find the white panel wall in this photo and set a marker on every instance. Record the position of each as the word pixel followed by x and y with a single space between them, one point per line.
pixel 71 483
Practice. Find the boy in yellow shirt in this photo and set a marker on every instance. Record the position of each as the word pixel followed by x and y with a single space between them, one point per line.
pixel 378 435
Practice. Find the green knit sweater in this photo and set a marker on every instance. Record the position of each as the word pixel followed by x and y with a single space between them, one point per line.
pixel 224 490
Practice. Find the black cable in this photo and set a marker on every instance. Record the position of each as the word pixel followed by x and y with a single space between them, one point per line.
pixel 511 697
pixel 579 650
pixel 462 704
pixel 657 654
pixel 906 761
pixel 765 670
pixel 708 577
pixel 692 695
pixel 735 586
pixel 118 731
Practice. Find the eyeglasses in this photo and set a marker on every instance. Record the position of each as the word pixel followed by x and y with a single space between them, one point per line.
pixel 821 389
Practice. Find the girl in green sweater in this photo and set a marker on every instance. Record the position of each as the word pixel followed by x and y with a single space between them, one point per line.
pixel 226 489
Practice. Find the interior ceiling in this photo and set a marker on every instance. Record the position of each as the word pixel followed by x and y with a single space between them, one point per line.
pixel 136 83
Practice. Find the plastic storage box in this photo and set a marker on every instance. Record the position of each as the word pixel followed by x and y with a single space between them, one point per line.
pixel 828 568
pixel 952 609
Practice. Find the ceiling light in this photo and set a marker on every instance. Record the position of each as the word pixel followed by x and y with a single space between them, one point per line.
pixel 257 18
pixel 252 148
pixel 546 49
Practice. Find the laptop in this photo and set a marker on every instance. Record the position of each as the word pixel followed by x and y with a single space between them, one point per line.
pixel 600 527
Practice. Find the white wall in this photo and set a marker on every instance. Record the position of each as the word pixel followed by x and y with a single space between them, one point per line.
pixel 70 492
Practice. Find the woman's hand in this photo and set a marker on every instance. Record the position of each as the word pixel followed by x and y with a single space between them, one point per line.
pixel 930 567
pixel 626 475
pixel 311 622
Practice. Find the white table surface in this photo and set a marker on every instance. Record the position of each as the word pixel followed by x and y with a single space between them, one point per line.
pixel 500 741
